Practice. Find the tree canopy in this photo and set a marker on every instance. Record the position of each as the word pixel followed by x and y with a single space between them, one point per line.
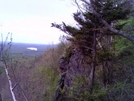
pixel 99 15
pixel 98 21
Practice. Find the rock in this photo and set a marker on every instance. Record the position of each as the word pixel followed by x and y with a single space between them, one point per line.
pixel 70 67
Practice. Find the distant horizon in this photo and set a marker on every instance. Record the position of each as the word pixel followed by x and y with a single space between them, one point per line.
pixel 34 43
pixel 51 44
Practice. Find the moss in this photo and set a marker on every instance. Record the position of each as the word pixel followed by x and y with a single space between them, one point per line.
pixel 62 91
pixel 80 91
pixel 68 52
pixel 104 55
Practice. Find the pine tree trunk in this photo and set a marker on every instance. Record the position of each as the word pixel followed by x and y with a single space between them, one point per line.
pixel 0 98
pixel 92 73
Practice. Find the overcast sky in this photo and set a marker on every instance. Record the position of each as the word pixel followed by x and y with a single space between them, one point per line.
pixel 30 20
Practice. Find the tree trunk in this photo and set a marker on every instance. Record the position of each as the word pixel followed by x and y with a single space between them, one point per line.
pixel 92 73
pixel 4 52
pixel 9 80
pixel 0 98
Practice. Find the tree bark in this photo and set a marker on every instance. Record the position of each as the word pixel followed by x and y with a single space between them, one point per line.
pixel 92 73
pixel 10 84
pixel 0 98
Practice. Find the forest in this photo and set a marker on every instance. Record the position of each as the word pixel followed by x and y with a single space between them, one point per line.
pixel 93 62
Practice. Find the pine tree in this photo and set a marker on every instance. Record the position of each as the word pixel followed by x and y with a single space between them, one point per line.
pixel 88 22
pixel 94 27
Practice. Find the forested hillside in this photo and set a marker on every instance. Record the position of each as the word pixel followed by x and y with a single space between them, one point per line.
pixel 93 62
pixel 36 76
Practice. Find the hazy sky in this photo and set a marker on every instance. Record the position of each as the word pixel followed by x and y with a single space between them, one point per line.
pixel 30 20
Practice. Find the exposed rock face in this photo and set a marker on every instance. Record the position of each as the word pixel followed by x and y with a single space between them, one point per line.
pixel 71 67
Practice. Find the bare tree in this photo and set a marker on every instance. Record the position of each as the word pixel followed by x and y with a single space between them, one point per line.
pixel 4 58
pixel 7 62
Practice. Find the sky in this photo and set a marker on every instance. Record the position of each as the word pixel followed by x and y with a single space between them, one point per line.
pixel 29 21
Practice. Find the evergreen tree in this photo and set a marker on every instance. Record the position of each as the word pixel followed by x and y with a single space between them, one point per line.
pixel 95 27
pixel 110 10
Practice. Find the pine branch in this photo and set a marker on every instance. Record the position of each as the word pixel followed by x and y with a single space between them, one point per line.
pixel 118 32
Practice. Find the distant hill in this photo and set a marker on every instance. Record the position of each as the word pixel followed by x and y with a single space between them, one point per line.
pixel 21 49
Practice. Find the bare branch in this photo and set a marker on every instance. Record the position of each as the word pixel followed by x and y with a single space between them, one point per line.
pixel 79 7
pixel 4 60
pixel 15 86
